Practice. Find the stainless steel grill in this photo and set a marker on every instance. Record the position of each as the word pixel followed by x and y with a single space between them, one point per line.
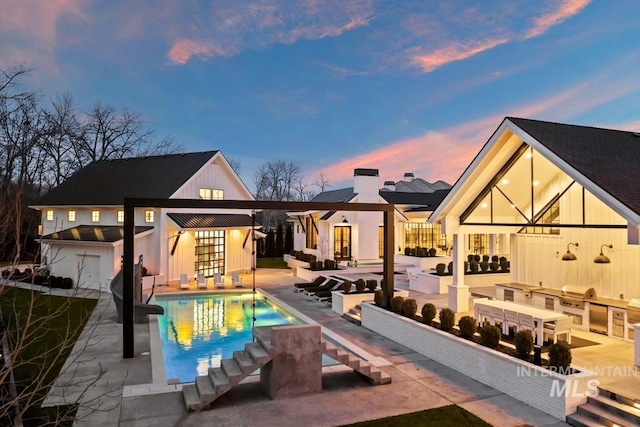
pixel 575 296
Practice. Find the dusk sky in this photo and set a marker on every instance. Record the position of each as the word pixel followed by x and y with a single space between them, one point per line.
pixel 401 86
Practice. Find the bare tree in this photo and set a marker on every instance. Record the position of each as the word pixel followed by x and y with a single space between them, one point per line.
pixel 235 165
pixel 321 182
pixel 276 180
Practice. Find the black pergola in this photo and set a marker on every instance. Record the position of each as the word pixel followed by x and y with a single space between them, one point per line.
pixel 130 204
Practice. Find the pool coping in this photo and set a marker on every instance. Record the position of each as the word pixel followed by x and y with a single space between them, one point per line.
pixel 161 384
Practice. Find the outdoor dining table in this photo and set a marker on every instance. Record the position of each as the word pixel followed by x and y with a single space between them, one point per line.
pixel 540 315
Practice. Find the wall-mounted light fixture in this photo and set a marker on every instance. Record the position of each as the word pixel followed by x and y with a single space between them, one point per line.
pixel 344 220
pixel 570 256
pixel 602 258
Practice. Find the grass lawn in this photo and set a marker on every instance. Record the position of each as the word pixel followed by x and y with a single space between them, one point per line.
pixel 44 328
pixel 271 263
pixel 452 415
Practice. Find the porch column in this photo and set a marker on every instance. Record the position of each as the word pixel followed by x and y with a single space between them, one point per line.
pixel 458 291
pixel 492 244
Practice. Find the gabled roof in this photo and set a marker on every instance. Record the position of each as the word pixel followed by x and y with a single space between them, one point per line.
pixel 92 233
pixel 340 195
pixel 418 185
pixel 195 220
pixel 608 158
pixel 108 182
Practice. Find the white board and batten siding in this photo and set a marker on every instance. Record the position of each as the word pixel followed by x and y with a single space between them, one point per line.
pixel 90 266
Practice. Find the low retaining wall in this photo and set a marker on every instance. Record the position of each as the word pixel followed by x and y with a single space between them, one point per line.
pixel 428 283
pixel 425 263
pixel 342 303
pixel 557 395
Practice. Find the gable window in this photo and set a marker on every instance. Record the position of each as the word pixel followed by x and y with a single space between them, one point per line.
pixel 148 216
pixel 72 216
pixel 211 194
pixel 49 215
pixel 95 216
pixel 120 216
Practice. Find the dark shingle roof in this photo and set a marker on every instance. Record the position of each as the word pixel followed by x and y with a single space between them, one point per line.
pixel 92 233
pixel 108 182
pixel 609 158
pixel 429 200
pixel 193 220
pixel 341 195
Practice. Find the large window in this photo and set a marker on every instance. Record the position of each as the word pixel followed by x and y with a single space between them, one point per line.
pixel 312 234
pixel 478 244
pixel 211 194
pixel 209 252
pixel 423 235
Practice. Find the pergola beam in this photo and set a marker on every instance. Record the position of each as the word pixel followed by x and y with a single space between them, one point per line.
pixel 130 204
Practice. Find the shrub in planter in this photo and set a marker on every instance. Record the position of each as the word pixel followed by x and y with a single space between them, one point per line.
pixel 473 266
pixel 485 258
pixel 378 298
pixel 409 307
pixel 447 319
pixel 484 266
pixel 360 285
pixel 396 304
pixel 346 286
pixel 502 259
pixel 470 257
pixel 432 252
pixel 466 267
pixel 504 266
pixel 312 257
pixel 493 266
pixel 523 340
pixel 328 264
pixel 476 258
pixel 407 251
pixel 440 269
pixel 559 356
pixel 467 325
pixel 372 284
pixel 495 258
pixel 428 313
pixel 67 283
pixel 450 267
pixel 490 336
pixel 421 252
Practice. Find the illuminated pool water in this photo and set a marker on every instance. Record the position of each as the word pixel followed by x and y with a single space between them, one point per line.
pixel 198 331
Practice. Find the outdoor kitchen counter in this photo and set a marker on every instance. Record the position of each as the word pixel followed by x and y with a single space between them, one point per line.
pixel 611 302
pixel 520 286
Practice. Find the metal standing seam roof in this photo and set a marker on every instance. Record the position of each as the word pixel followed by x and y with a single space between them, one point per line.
pixel 340 195
pixel 92 233
pixel 108 182
pixel 608 158
pixel 196 220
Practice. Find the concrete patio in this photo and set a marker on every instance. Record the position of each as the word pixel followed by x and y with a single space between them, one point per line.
pixel 417 382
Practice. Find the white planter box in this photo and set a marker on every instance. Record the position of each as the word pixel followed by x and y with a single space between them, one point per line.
pixel 293 264
pixel 147 281
pixel 428 283
pixel 425 263
pixel 342 303
pixel 553 393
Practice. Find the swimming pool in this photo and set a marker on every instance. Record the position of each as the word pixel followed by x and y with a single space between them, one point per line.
pixel 198 331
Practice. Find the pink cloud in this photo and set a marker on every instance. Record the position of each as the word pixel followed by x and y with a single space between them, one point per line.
pixel 564 10
pixel 184 49
pixel 454 52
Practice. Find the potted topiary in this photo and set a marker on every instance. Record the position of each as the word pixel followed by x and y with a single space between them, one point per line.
pixel 432 252
pixel 372 284
pixel 346 286
pixel 490 336
pixel 473 267
pixel 495 258
pixel 360 285
pixel 450 267
pixel 485 258
pixel 407 251
pixel 421 252
pixel 409 307
pixel 560 357
pixel 378 298
pixel 396 304
pixel 476 258
pixel 494 266
pixel 470 257
pixel 484 266
pixel 428 313
pixel 523 340
pixel 440 269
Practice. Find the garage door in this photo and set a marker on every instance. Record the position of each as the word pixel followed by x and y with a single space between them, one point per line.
pixel 88 271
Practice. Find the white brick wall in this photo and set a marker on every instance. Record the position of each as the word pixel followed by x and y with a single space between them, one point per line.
pixel 523 381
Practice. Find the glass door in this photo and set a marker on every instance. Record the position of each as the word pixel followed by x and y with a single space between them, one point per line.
pixel 342 242
pixel 209 252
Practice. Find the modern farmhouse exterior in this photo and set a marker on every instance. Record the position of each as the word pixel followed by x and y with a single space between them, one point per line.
pixel 357 236
pixel 568 197
pixel 82 219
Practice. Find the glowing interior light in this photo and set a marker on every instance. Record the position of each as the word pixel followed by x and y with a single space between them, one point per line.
pixel 505 181
pixel 513 206
pixel 484 205
pixel 536 182
pixel 528 155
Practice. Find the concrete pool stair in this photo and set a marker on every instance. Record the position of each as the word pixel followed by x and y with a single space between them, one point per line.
pixel 290 361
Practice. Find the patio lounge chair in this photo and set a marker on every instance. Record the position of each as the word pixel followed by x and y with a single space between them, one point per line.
pixel 299 287
pixel 326 294
pixel 329 284
pixel 218 280
pixel 236 280
pixel 184 281
pixel 202 282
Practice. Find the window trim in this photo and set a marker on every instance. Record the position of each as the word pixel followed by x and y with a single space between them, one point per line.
pixel 95 215
pixel 71 216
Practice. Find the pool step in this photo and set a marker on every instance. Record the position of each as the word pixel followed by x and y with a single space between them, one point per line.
pixel 207 388
pixel 373 374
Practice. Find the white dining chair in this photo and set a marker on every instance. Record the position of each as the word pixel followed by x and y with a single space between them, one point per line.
pixel 497 317
pixel 526 322
pixel 511 320
pixel 561 326
pixel 484 315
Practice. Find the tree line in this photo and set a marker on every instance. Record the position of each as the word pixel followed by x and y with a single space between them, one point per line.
pixel 43 141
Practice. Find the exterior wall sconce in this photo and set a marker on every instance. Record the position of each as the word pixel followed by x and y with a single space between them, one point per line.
pixel 602 258
pixel 570 256
pixel 344 220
